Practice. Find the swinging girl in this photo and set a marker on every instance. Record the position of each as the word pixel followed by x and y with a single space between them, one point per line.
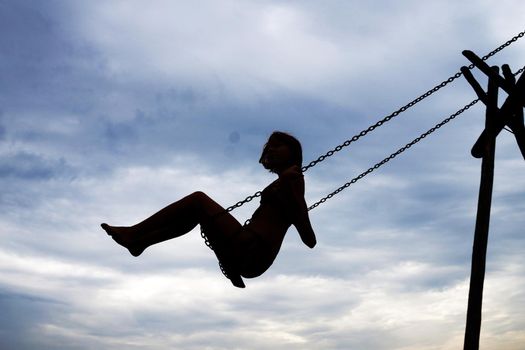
pixel 242 250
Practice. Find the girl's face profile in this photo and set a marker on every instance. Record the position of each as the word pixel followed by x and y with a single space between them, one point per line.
pixel 277 155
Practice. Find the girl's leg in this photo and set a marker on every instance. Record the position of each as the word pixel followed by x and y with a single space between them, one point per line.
pixel 173 221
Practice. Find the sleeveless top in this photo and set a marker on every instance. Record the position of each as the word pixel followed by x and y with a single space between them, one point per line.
pixel 279 197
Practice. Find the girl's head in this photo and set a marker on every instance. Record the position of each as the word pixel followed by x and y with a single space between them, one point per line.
pixel 281 151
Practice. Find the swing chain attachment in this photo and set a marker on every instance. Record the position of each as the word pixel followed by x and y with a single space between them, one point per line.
pixel 393 155
pixel 407 106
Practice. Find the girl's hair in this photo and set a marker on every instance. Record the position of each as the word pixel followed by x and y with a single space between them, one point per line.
pixel 293 144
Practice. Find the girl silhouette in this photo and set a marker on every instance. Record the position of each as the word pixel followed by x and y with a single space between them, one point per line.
pixel 243 250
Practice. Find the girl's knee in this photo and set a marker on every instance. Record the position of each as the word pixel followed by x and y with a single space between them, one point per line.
pixel 199 196
pixel 206 205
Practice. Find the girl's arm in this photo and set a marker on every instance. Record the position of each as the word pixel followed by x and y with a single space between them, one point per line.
pixel 293 177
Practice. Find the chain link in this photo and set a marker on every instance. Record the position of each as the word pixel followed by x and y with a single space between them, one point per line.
pixel 385 119
pixel 210 245
pixel 520 71
pixel 244 201
pixel 393 155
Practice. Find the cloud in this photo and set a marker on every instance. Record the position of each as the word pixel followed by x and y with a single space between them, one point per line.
pixel 309 49
pixel 31 167
pixel 21 314
pixel 112 110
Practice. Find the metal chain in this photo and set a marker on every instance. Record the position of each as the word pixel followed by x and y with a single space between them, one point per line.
pixel 515 38
pixel 401 150
pixel 407 106
pixel 210 245
pixel 384 120
pixel 244 201
pixel 519 71
pixel 393 155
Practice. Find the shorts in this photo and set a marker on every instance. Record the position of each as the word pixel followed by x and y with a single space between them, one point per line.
pixel 245 254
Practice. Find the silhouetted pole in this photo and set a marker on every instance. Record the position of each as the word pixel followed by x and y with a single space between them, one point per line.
pixel 479 249
pixel 510 114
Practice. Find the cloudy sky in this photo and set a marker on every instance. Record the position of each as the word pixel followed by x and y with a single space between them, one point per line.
pixel 110 110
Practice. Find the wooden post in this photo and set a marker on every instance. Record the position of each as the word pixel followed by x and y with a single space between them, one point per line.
pixel 510 114
pixel 479 250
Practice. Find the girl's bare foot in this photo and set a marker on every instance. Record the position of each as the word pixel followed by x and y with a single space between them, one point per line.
pixel 124 237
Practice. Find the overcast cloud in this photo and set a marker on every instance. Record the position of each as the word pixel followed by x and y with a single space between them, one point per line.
pixel 110 110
